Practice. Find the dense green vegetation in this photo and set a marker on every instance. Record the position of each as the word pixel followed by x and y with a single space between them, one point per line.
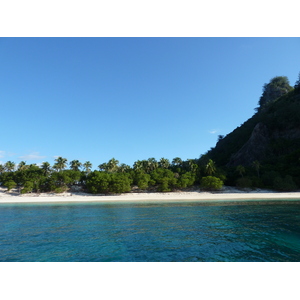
pixel 274 130
pixel 277 165
pixel 112 177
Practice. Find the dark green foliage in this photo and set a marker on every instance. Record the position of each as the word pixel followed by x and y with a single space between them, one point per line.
pixel 281 117
pixel 10 184
pixel 60 189
pixel 164 178
pixel 269 177
pixel 231 143
pixel 284 183
pixel 244 182
pixel 104 183
pixel 28 187
pixel 297 83
pixel 142 180
pixel 277 87
pixel 185 180
pixel 98 182
pixel 119 183
pixel 211 183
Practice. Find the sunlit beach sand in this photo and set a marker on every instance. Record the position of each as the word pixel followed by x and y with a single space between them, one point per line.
pixel 227 194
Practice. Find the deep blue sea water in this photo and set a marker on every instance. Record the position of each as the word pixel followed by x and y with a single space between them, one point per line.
pixel 151 232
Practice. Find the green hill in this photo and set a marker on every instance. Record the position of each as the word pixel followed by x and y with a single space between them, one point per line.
pixel 270 138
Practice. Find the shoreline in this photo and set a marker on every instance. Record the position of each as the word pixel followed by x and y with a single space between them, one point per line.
pixel 236 196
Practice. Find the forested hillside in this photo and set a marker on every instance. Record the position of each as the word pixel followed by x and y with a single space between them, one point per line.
pixel 267 144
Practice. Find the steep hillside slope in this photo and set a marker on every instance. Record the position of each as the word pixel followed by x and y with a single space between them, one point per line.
pixel 271 137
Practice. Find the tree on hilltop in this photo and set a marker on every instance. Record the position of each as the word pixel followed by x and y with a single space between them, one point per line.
pixel 297 83
pixel 277 87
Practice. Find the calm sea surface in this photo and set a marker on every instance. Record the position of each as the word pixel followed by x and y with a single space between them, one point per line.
pixel 255 231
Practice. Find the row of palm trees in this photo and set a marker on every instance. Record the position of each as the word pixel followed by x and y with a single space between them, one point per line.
pixel 59 165
pixel 111 166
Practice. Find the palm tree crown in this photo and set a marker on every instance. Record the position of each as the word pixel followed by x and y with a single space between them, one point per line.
pixel 9 166
pixel 75 165
pixel 210 167
pixel 87 166
pixel 61 163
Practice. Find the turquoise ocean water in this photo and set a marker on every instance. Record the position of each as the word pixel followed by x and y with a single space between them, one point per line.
pixel 151 232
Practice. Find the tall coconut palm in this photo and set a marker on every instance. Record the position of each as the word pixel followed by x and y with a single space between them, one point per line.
pixel 22 166
pixel 123 168
pixel 164 163
pixel 61 163
pixel 2 169
pixel 46 167
pixel 138 165
pixel 87 167
pixel 241 170
pixel 152 164
pixel 113 165
pixel 103 167
pixel 75 165
pixel 146 165
pixel 210 167
pixel 177 161
pixel 9 166
pixel 193 167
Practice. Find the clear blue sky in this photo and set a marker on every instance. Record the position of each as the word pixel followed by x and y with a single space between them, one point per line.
pixel 131 98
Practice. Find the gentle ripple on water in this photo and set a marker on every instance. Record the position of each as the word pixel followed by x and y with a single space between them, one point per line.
pixel 151 232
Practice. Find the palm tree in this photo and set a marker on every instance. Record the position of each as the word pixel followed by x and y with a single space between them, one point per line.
pixel 75 165
pixel 46 168
pixel 164 163
pixel 61 163
pixel 192 165
pixel 123 168
pixel 87 166
pixel 241 170
pixel 2 169
pixel 138 165
pixel 152 164
pixel 103 167
pixel 113 165
pixel 177 161
pixel 9 166
pixel 22 166
pixel 210 167
pixel 146 165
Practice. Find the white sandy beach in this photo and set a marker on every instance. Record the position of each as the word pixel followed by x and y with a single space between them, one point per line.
pixel 227 194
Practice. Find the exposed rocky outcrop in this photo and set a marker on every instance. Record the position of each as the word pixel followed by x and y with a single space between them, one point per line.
pixel 259 142
pixel 254 148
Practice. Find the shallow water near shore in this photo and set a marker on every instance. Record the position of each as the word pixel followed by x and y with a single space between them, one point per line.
pixel 151 231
